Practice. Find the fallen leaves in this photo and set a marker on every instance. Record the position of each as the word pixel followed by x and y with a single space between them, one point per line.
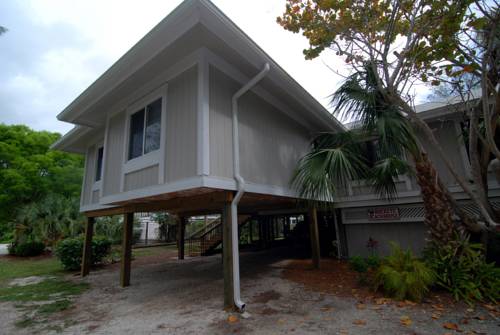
pixel 450 325
pixel 361 306
pixel 232 319
pixel 359 322
pixel 435 316
pixel 405 320
pixel 382 301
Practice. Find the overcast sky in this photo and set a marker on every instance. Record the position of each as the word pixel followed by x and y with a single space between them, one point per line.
pixel 54 49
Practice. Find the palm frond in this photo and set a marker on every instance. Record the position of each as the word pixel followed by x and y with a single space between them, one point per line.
pixel 334 161
pixel 384 174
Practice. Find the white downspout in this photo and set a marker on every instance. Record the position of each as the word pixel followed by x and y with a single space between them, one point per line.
pixel 240 186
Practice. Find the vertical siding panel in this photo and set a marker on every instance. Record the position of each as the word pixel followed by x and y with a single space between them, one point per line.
pixel 407 234
pixel 141 178
pixel 270 142
pixel 222 89
pixel 114 155
pixel 181 154
pixel 447 136
pixel 89 176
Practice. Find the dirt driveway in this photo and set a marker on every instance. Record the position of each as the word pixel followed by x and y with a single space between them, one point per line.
pixel 185 297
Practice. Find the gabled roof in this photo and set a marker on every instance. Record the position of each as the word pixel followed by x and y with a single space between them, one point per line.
pixel 193 24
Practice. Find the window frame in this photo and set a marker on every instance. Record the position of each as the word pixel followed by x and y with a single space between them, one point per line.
pixel 96 184
pixel 153 157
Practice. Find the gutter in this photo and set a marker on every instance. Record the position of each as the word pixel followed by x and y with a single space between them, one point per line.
pixel 240 186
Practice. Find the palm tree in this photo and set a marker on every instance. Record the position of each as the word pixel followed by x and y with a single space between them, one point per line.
pixel 336 159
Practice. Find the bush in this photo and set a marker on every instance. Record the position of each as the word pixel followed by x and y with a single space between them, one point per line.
pixel 364 267
pixel 27 248
pixel 70 251
pixel 358 264
pixel 403 276
pixel 461 268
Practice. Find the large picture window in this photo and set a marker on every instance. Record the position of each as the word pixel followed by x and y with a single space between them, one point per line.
pixel 145 130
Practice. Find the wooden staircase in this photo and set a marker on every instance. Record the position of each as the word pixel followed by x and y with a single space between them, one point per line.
pixel 204 241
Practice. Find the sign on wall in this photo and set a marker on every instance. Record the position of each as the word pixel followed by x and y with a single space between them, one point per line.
pixel 387 213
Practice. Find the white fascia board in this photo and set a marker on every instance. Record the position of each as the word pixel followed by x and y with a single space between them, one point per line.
pixel 65 142
pixel 93 207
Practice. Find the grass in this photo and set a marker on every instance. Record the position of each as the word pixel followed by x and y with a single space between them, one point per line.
pixel 54 307
pixel 37 301
pixel 43 291
pixel 11 268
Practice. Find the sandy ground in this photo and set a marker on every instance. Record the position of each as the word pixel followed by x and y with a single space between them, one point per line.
pixel 185 297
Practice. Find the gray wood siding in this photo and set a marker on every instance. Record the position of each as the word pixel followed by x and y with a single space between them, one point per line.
pixel 447 136
pixel 221 91
pixel 182 107
pixel 270 142
pixel 141 178
pixel 89 176
pixel 95 197
pixel 407 234
pixel 114 155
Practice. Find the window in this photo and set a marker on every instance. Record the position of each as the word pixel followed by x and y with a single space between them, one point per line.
pixel 98 172
pixel 145 130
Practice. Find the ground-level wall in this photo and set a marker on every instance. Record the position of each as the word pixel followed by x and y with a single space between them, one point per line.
pixel 402 224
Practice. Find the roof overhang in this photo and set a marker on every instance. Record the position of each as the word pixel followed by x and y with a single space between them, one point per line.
pixel 192 25
pixel 76 140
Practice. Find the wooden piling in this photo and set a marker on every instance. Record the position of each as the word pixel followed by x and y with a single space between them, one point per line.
pixel 314 232
pixel 128 230
pixel 87 247
pixel 181 237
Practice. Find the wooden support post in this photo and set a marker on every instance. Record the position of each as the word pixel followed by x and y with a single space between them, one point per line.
pixel 87 247
pixel 313 229
pixel 128 230
pixel 181 237
pixel 250 232
pixel 227 257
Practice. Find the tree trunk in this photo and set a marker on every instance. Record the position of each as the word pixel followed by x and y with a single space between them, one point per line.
pixel 438 211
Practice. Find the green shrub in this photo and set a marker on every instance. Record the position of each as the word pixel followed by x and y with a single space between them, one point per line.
pixel 364 267
pixel 358 264
pixel 70 251
pixel 461 268
pixel 373 261
pixel 27 248
pixel 403 276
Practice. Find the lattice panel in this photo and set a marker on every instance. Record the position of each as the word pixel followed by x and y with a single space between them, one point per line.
pixel 412 212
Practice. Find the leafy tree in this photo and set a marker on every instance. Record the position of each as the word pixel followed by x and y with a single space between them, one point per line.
pixel 3 30
pixel 403 42
pixel 30 172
